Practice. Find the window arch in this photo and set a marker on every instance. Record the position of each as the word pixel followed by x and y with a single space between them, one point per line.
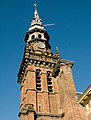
pixel 33 36
pixel 39 36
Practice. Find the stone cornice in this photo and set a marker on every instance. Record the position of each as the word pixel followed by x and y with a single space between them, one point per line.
pixel 66 62
pixel 43 60
pixel 29 108
pixel 84 98
pixel 35 62
pixel 38 61
pixel 59 63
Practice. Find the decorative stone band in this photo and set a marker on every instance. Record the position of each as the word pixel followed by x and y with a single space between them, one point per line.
pixel 44 91
pixel 39 114
pixel 46 62
pixel 40 63
pixel 30 108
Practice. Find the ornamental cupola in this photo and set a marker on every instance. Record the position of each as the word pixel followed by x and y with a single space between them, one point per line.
pixel 37 37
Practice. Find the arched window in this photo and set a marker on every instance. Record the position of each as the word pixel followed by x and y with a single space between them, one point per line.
pixel 33 36
pixel 39 36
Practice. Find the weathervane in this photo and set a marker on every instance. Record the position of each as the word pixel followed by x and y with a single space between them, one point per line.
pixel 49 24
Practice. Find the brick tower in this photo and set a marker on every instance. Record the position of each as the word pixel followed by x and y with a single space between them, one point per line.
pixel 47 87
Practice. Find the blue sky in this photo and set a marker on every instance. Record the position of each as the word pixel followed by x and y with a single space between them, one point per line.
pixel 71 33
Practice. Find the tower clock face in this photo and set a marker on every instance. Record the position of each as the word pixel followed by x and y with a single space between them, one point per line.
pixel 41 45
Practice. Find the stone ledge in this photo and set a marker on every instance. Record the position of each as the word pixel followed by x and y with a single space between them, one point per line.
pixel 27 109
pixel 49 114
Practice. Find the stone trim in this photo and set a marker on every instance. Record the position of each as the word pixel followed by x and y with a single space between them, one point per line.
pixel 28 108
pixel 39 114
pixel 44 91
pixel 30 89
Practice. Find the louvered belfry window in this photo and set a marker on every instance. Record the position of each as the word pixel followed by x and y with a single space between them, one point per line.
pixel 49 81
pixel 38 81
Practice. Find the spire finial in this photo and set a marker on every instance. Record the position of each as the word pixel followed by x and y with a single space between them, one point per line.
pixel 57 53
pixel 36 20
pixel 36 12
pixel 35 6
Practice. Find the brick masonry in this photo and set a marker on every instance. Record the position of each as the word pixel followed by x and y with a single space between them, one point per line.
pixel 47 87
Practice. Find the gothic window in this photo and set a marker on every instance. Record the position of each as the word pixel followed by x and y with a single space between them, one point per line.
pixel 38 81
pixel 33 36
pixel 49 82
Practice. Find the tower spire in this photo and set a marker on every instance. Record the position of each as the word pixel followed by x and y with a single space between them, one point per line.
pixel 35 5
pixel 36 12
pixel 57 55
pixel 36 20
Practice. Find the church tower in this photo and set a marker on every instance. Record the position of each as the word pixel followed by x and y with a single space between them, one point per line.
pixel 45 78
